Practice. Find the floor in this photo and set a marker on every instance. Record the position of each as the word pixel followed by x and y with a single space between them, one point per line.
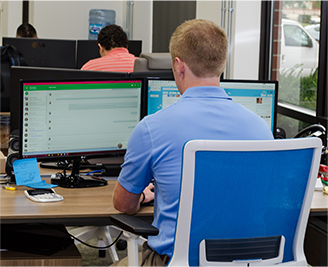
pixel 90 256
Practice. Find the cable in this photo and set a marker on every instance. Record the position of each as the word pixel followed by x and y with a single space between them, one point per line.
pixel 94 172
pixel 91 246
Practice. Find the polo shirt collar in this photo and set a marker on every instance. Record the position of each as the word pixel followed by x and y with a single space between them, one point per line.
pixel 205 92
pixel 118 50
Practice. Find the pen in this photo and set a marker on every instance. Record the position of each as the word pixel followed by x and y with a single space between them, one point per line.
pixel 8 187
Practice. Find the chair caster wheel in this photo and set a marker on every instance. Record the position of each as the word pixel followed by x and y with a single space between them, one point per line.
pixel 121 244
pixel 102 253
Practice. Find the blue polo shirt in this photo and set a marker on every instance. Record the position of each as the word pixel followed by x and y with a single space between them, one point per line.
pixel 155 149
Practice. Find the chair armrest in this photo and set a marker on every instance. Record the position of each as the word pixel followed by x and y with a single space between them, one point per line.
pixel 133 225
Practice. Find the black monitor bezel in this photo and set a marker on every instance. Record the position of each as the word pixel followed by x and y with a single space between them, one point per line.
pixel 80 155
pixel 38 73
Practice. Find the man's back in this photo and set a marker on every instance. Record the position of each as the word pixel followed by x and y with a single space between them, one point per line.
pixel 117 60
pixel 201 113
pixel 199 53
pixel 112 43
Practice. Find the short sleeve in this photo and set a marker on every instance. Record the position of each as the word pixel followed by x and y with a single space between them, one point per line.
pixel 136 171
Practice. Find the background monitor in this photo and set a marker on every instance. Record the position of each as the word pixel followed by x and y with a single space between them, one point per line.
pixel 88 49
pixel 51 53
pixel 156 75
pixel 31 73
pixel 258 96
pixel 76 119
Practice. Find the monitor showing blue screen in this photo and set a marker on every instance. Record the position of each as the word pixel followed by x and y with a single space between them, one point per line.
pixel 258 96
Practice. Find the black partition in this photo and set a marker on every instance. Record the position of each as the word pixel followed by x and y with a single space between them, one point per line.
pixel 51 53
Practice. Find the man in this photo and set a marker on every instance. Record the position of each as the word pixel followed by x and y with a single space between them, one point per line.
pixel 26 30
pixel 199 53
pixel 112 44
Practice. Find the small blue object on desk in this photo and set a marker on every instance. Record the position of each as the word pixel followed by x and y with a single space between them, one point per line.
pixel 27 173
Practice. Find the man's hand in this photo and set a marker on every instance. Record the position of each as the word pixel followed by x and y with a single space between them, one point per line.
pixel 149 193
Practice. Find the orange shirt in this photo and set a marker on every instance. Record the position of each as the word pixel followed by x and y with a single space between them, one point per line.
pixel 116 60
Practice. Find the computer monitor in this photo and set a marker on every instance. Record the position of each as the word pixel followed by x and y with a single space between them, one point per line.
pixel 88 49
pixel 37 73
pixel 258 96
pixel 51 53
pixel 146 74
pixel 72 120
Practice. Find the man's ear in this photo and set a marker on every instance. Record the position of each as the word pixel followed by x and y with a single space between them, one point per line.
pixel 101 49
pixel 179 66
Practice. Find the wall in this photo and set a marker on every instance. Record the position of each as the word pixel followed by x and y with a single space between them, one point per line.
pixel 11 17
pixel 143 24
pixel 245 42
pixel 69 20
pixel 247 39
pixel 64 20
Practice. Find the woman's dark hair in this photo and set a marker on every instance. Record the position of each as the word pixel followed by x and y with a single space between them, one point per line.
pixel 112 36
pixel 26 30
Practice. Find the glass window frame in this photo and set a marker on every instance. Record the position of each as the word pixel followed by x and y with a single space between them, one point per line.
pixel 266 66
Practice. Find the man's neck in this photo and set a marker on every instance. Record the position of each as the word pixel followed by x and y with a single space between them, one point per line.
pixel 185 78
pixel 190 80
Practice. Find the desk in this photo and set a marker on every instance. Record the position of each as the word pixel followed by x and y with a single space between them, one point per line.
pixel 85 206
pixel 315 241
pixel 81 206
pixel 319 203
pixel 93 206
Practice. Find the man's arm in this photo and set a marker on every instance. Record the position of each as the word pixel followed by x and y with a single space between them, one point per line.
pixel 129 203
pixel 125 201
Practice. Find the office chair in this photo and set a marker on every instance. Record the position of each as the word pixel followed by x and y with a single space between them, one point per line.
pixel 152 62
pixel 243 203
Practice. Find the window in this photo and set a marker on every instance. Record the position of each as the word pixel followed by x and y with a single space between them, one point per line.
pixel 295 63
pixel 295 36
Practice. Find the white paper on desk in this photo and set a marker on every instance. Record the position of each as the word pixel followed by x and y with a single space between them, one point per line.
pixel 318 185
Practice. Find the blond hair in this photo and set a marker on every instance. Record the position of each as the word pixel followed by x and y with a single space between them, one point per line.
pixel 202 45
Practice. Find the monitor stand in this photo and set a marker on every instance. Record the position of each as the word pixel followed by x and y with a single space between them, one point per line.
pixel 62 165
pixel 74 180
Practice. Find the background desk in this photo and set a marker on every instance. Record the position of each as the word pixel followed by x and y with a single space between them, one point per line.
pixel 81 206
pixel 315 242
pixel 319 203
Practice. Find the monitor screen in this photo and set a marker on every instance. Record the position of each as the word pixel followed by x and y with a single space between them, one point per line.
pixel 77 119
pixel 258 96
pixel 45 52
pixel 144 75
pixel 38 73
pixel 88 49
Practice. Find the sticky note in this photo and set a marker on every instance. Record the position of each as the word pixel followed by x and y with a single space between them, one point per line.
pixel 40 185
pixel 27 173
